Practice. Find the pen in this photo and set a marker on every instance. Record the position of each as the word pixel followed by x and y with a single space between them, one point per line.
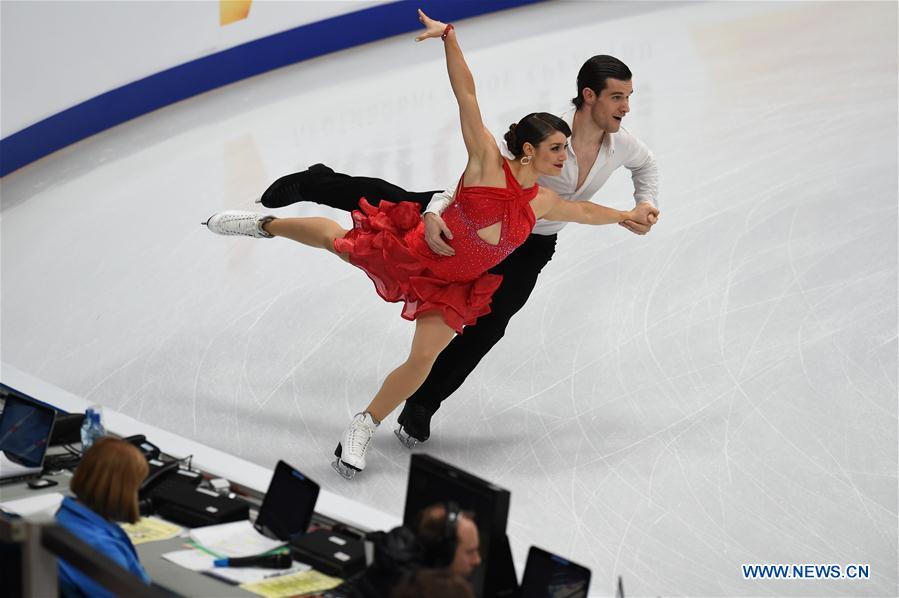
pixel 267 561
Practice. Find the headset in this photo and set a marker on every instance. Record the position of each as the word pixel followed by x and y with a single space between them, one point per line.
pixel 442 552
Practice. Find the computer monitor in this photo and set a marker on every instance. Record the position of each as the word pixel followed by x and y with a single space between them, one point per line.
pixel 25 428
pixel 547 575
pixel 433 481
pixel 288 504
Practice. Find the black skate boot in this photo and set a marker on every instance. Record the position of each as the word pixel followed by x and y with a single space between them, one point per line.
pixel 286 190
pixel 414 425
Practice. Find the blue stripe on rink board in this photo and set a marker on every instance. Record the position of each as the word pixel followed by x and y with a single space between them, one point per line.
pixel 252 58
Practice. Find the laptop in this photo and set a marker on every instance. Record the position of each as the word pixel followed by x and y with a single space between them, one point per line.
pixel 288 504
pixel 547 575
pixel 25 429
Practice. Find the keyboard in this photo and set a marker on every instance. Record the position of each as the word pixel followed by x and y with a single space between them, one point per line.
pixel 19 478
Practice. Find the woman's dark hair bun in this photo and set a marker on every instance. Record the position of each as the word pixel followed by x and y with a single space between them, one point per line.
pixel 511 138
pixel 533 129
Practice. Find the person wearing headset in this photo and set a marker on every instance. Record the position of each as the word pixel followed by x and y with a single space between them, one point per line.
pixel 439 553
pixel 449 537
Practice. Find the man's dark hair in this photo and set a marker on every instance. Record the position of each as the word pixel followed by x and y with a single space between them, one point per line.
pixel 594 74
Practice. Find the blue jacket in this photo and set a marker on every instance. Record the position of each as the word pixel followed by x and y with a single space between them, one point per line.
pixel 104 536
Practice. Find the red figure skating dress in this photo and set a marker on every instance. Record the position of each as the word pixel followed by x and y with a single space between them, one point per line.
pixel 388 243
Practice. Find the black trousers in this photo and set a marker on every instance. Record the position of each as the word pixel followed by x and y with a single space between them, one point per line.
pixel 519 271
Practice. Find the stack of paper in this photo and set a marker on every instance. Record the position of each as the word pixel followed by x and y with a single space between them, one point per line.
pixel 309 582
pixel 233 539
pixel 150 529
pixel 35 508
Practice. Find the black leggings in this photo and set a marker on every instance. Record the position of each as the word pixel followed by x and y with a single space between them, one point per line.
pixel 519 271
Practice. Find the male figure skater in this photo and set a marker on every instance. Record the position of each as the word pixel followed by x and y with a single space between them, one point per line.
pixel 599 145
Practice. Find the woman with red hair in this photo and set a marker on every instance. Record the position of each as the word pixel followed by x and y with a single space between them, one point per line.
pixel 105 486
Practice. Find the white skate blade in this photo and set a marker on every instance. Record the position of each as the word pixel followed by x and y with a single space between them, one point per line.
pixel 406 440
pixel 345 471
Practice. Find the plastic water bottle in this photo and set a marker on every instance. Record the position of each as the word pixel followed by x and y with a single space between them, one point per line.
pixel 92 428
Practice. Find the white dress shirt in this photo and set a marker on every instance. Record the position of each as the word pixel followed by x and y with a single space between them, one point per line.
pixel 618 149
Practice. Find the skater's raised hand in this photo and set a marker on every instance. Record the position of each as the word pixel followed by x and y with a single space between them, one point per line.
pixel 432 28
pixel 484 159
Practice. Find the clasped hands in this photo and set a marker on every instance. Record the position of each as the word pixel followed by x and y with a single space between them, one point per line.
pixel 645 216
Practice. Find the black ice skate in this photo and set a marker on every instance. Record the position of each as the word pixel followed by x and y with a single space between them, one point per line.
pixel 286 190
pixel 414 425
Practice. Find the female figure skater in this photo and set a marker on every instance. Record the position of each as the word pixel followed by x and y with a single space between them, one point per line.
pixel 496 205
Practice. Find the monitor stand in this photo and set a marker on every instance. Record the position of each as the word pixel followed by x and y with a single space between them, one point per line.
pixel 500 579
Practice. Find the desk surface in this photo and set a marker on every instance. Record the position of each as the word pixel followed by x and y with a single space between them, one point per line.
pixel 178 579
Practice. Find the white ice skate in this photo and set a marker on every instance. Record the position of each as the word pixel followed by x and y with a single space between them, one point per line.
pixel 239 222
pixel 350 452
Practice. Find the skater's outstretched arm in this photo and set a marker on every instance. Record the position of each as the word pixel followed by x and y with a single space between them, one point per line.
pixel 483 153
pixel 549 206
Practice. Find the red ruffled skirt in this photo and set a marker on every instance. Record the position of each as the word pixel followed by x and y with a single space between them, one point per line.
pixel 385 242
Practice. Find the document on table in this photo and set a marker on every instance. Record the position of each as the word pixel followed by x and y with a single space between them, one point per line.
pixel 197 560
pixel 293 585
pixel 150 529
pixel 235 539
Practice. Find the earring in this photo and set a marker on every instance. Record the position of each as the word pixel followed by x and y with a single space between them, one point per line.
pixel 525 160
